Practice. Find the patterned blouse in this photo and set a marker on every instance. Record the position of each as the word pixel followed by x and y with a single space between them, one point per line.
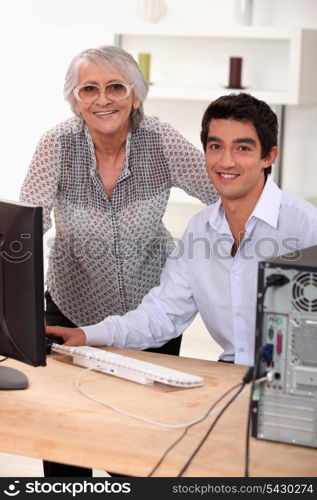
pixel 108 253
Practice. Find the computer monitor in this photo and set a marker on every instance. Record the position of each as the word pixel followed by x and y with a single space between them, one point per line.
pixel 22 331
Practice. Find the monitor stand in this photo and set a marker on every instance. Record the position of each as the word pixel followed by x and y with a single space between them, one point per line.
pixel 11 379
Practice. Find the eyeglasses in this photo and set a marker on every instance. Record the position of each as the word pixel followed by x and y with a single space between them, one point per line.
pixel 114 91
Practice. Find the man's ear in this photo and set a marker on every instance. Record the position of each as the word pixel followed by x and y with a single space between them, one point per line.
pixel 271 156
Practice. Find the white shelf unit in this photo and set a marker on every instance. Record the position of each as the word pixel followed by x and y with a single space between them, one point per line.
pixel 190 68
pixel 279 64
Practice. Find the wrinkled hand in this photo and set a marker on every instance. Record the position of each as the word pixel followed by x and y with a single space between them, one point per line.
pixel 70 336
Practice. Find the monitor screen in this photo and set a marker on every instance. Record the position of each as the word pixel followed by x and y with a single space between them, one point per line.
pixel 22 331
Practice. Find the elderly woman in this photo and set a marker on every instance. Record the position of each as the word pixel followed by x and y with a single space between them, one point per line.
pixel 107 172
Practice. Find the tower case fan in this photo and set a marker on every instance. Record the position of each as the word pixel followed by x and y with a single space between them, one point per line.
pixel 284 409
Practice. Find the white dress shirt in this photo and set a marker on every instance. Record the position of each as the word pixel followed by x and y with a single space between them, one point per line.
pixel 202 276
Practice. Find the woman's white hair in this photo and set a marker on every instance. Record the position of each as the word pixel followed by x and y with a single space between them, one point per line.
pixel 109 56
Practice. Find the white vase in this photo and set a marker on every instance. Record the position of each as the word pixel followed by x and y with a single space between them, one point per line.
pixel 151 11
pixel 243 11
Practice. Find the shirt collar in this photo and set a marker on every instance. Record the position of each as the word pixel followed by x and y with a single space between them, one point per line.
pixel 268 205
pixel 126 171
pixel 217 218
pixel 266 209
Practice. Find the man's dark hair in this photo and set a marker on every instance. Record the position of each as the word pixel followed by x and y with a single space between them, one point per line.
pixel 244 108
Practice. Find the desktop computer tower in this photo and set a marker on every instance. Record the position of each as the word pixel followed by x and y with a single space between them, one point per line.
pixel 284 408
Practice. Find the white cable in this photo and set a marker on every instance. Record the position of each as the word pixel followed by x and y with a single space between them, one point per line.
pixel 139 417
pixel 268 377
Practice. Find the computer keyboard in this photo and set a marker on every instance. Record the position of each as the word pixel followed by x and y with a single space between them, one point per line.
pixel 126 367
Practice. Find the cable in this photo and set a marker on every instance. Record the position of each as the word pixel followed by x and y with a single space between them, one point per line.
pixel 274 280
pixel 242 385
pixel 208 413
pixel 267 378
pixel 248 431
pixel 133 415
pixel 271 280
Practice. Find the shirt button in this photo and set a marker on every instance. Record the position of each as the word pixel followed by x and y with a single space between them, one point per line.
pixel 238 313
pixel 241 349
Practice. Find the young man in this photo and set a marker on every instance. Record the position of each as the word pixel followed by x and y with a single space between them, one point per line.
pixel 214 268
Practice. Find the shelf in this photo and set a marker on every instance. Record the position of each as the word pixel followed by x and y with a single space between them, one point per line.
pixel 205 94
pixel 246 32
pixel 278 63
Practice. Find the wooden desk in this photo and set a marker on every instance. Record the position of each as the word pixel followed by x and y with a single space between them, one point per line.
pixel 52 420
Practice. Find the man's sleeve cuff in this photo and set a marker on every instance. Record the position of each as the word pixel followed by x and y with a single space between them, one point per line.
pixel 97 335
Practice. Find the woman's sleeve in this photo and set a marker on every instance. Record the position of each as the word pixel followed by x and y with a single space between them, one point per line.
pixel 41 182
pixel 187 166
